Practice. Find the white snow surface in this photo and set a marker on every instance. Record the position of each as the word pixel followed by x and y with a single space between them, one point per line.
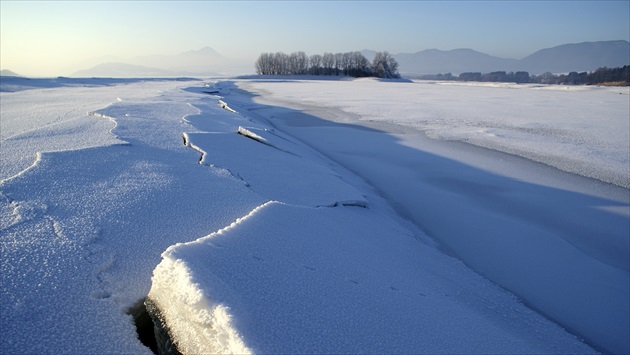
pixel 558 240
pixel 579 129
pixel 267 244
pixel 337 280
pixel 82 229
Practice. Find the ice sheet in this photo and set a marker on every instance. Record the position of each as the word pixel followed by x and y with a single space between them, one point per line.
pixel 328 266
pixel 558 240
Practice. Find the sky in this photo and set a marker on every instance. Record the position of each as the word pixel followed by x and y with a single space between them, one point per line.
pixel 52 38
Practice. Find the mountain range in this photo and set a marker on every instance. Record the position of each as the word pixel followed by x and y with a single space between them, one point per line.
pixel 578 57
pixel 203 62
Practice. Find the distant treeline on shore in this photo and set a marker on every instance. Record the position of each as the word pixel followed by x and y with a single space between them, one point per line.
pixel 602 76
pixel 348 64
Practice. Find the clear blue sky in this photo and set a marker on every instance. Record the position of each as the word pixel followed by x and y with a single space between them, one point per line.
pixel 55 37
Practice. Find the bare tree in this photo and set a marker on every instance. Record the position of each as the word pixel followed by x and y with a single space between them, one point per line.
pixel 315 62
pixel 301 63
pixel 280 64
pixel 338 63
pixel 328 63
pixel 293 65
pixel 360 66
pixel 346 63
pixel 385 66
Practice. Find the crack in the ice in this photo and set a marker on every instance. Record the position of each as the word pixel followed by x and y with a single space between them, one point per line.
pixel 225 106
pixel 110 118
pixel 38 159
pixel 189 144
pixel 242 131
pixel 202 157
pixel 357 203
pixel 251 135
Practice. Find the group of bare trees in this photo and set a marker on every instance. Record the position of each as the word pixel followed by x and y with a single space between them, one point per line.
pixel 350 64
pixel 282 64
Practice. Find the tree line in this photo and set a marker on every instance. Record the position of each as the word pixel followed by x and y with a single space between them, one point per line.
pixel 602 76
pixel 348 64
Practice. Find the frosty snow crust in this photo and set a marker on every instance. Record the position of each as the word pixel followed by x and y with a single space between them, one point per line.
pixel 300 275
pixel 312 259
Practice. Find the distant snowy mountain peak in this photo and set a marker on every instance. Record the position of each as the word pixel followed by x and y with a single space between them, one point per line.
pixel 208 51
pixel 6 72
pixel 585 56
pixel 203 62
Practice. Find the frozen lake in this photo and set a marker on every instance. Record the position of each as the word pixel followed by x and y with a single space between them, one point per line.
pixel 314 216
pixel 506 177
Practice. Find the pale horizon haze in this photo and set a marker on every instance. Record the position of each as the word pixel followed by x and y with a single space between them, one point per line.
pixel 53 38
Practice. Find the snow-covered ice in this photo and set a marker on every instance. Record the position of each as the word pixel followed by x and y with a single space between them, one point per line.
pixel 564 235
pixel 337 280
pixel 583 130
pixel 83 229
pixel 271 245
